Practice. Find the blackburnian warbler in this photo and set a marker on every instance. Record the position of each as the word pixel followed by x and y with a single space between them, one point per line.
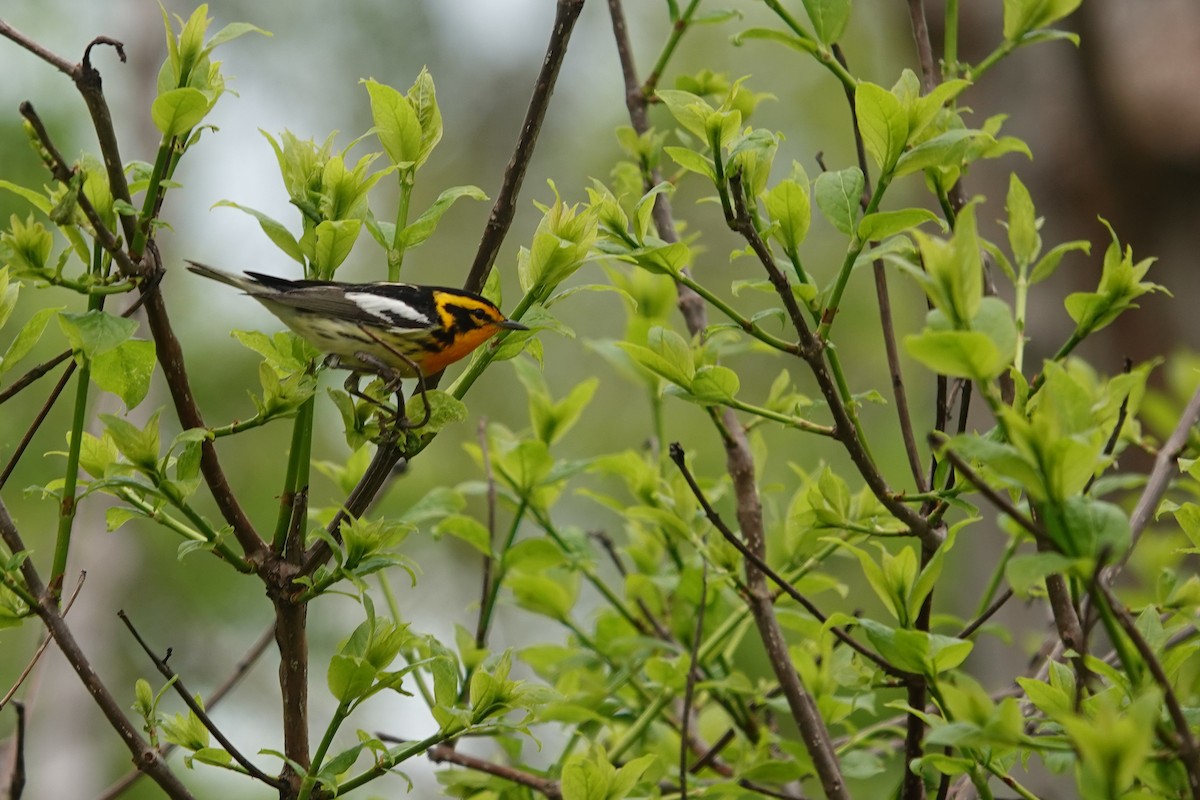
pixel 403 329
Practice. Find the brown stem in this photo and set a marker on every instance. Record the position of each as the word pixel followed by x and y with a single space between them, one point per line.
pixel 239 671
pixel 37 654
pixel 146 758
pixel 689 689
pixel 566 13
pixel 740 465
pixel 812 352
pixel 446 754
pixel 196 708
pixel 291 637
pixel 486 579
pixel 170 357
pixel 38 419
pixel 677 456
pixel 920 28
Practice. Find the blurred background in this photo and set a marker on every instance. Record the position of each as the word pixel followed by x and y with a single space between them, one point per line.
pixel 1114 127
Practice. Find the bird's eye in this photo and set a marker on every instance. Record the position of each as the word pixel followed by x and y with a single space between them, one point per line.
pixel 479 314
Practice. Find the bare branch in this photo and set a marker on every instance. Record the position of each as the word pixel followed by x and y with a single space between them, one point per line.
pixel 198 709
pixel 566 13
pixel 446 754
pixel 145 757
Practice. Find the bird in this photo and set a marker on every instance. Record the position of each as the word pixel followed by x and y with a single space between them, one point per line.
pixel 393 330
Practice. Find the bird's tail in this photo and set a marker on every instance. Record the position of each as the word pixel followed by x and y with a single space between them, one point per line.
pixel 243 283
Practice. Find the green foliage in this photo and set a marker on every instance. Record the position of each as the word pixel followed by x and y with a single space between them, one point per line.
pixel 676 602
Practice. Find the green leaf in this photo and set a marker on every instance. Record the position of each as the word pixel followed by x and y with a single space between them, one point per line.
pixel 396 123
pixel 27 337
pixel 883 224
pixel 468 529
pixel 689 110
pixel 839 195
pixel 125 370
pixel 545 595
pixel 349 677
pixel 423 226
pixel 233 30
pixel 714 385
pixel 883 123
pixel 95 332
pixel 334 240
pixel 692 161
pixel 1023 235
pixel 829 18
pixel 1026 572
pixel 1094 526
pixel 177 111
pixel 1049 262
pixel 959 354
pixel 422 96
pixel 802 43
pixel 1022 16
pixel 275 230
pixel 667 355
pixel 788 206
pixel 444 409
pixel 946 150
pixel 139 445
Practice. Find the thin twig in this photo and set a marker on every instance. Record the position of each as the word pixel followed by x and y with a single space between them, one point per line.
pixel 63 172
pixel 38 419
pixel 146 757
pixel 16 779
pixel 996 498
pixel 30 376
pixel 920 28
pixel 168 350
pixel 566 13
pixel 177 683
pixel 987 614
pixel 812 351
pixel 689 688
pixel 37 654
pixel 1165 467
pixel 677 456
pixel 486 579
pixel 445 754
pixel 1187 743
pixel 239 671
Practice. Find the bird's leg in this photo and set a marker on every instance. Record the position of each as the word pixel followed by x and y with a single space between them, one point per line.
pixel 351 384
pixel 393 382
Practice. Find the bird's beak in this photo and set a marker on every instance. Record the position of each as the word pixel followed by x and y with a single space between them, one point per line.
pixel 511 325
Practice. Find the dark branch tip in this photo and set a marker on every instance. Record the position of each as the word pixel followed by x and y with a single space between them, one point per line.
pixel 675 449
pixel 108 40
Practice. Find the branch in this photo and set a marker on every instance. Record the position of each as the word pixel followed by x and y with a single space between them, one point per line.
pixel 812 352
pixel 920 29
pixel 446 754
pixel 146 757
pixel 677 456
pixel 239 671
pixel 1165 466
pixel 1187 743
pixel 168 350
pixel 37 654
pixel 749 511
pixel 566 13
pixel 196 708
pixel 996 498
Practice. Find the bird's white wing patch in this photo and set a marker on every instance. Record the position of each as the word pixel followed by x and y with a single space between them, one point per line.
pixel 386 308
